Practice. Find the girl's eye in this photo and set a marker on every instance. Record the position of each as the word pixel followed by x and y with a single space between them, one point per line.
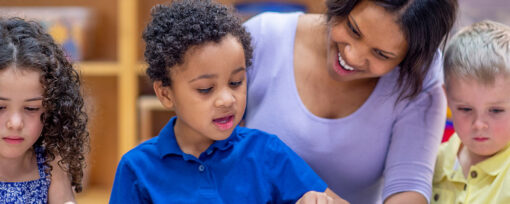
pixel 463 109
pixel 352 29
pixel 204 91
pixel 496 110
pixel 236 83
pixel 32 109
pixel 380 54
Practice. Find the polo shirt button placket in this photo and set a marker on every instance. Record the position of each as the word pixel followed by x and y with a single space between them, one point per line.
pixel 474 174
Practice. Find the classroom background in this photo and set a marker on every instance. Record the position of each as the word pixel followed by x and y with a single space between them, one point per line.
pixel 103 39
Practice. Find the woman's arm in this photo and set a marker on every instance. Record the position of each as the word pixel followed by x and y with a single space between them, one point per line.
pixel 406 197
pixel 60 190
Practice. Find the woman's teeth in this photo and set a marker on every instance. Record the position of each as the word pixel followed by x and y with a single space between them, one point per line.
pixel 344 64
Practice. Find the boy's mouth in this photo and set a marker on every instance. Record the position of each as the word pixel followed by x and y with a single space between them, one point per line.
pixel 224 123
pixel 481 139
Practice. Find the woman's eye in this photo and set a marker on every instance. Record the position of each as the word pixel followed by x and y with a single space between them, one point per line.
pixel 204 91
pixel 236 83
pixel 352 29
pixel 381 54
pixel 32 109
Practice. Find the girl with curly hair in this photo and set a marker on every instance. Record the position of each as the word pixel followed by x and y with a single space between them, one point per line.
pixel 43 134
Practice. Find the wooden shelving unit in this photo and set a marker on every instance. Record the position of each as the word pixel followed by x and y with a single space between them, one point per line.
pixel 112 78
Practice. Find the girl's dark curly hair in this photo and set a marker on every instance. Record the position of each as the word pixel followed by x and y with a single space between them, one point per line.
pixel 25 45
pixel 177 27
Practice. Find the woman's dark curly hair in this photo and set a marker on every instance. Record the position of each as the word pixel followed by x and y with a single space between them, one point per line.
pixel 425 23
pixel 25 45
pixel 177 27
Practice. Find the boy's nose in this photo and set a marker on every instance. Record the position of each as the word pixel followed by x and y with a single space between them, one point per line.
pixel 15 122
pixel 225 99
pixel 479 124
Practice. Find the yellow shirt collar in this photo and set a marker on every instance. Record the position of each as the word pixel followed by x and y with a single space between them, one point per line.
pixel 492 166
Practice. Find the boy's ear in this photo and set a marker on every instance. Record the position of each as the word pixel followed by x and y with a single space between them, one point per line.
pixel 164 94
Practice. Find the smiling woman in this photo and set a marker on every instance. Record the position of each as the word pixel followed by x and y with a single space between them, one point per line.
pixel 355 92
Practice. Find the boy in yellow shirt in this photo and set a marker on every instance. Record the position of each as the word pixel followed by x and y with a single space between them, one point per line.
pixel 474 165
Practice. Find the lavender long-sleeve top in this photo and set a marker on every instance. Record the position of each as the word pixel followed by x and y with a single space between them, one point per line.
pixel 379 150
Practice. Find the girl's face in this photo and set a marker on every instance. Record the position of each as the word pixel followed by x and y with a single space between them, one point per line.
pixel 20 111
pixel 367 43
pixel 208 91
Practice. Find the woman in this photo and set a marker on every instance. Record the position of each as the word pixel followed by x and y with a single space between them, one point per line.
pixel 356 92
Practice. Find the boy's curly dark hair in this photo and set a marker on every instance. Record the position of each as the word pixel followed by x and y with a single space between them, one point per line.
pixel 25 45
pixel 177 27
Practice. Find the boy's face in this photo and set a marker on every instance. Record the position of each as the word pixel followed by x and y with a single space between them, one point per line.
pixel 480 113
pixel 208 91
pixel 21 96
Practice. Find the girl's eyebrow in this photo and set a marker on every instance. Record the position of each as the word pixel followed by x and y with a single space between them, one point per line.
pixel 39 98
pixel 28 100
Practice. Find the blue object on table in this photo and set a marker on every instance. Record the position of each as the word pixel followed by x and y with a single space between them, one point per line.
pixel 254 8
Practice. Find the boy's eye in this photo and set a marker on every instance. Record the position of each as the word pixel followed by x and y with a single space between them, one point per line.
pixel 204 91
pixel 236 83
pixel 32 109
pixel 464 109
pixel 380 54
pixel 352 29
pixel 496 110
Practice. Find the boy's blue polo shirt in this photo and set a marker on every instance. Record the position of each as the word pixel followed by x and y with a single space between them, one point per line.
pixel 250 166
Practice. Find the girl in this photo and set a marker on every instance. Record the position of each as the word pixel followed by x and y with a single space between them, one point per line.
pixel 43 132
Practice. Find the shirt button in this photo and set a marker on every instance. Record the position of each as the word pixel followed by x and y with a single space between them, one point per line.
pixel 436 197
pixel 474 174
pixel 201 168
pixel 465 186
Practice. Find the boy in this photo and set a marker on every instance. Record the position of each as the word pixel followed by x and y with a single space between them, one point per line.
pixel 197 54
pixel 474 165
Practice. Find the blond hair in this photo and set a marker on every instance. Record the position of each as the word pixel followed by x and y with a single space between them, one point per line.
pixel 480 52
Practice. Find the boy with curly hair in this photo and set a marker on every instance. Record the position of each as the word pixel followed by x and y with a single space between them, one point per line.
pixel 474 165
pixel 197 53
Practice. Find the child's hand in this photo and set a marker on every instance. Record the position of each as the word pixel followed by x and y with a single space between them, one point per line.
pixel 314 197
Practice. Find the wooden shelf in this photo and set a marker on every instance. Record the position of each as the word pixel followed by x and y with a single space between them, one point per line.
pixel 94 194
pixel 140 68
pixel 98 68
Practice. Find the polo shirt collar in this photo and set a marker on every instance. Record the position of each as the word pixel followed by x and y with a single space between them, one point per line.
pixel 492 166
pixel 167 144
pixel 450 155
pixel 495 164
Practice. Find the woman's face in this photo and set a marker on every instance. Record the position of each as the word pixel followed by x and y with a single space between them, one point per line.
pixel 367 43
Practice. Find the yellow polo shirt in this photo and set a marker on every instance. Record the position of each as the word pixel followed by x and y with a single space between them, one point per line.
pixel 487 182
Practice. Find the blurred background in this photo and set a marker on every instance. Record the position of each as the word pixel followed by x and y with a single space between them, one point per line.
pixel 103 39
